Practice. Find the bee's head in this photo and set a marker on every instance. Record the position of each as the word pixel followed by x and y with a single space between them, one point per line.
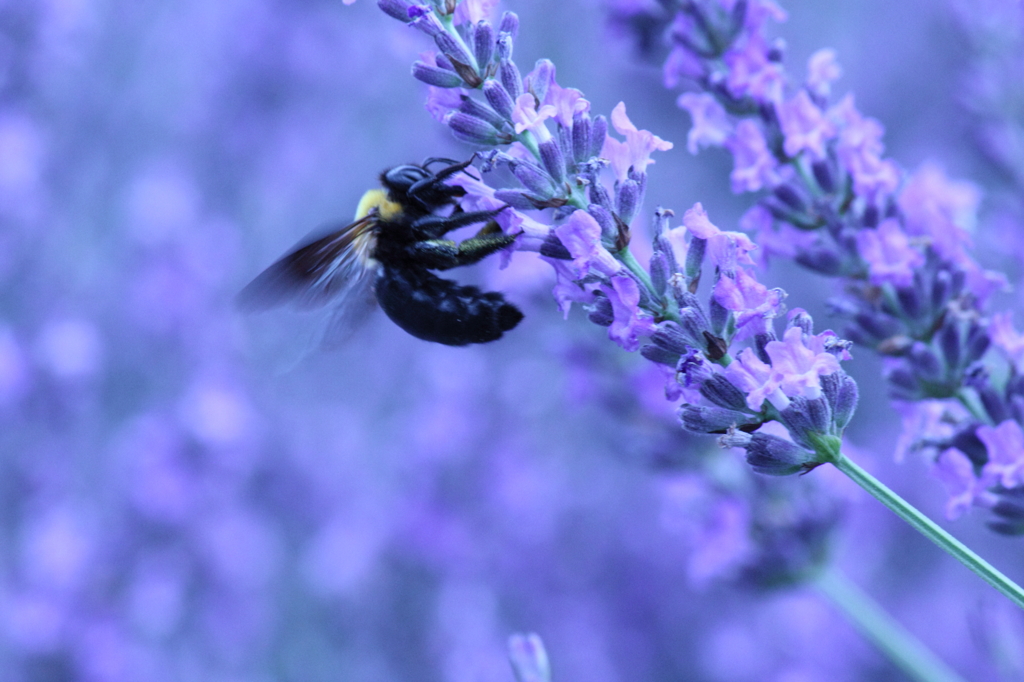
pixel 416 187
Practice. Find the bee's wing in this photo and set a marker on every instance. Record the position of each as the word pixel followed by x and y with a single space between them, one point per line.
pixel 330 269
pixel 349 313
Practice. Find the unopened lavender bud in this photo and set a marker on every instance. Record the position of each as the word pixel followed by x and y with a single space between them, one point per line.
pixel 396 9
pixel 1010 512
pixel 659 355
pixel 528 658
pixel 598 134
pixel 580 136
pixel 774 456
pixel 993 403
pixel 721 392
pixel 483 44
pixel 719 316
pixel 689 302
pixel 738 16
pixel 910 301
pixel 789 196
pixel 442 61
pixel 870 217
pixel 819 413
pixel 424 20
pixel 598 195
pixel 498 97
pixel 877 325
pixel 478 109
pixel 671 337
pixel 517 199
pixel 924 362
pixel 1016 405
pixel 978 341
pixel 432 75
pixel 564 137
pixel 509 24
pixel 660 272
pixel 510 77
pixel 949 342
pixel 841 391
pixel 627 200
pixel 601 312
pixel 695 257
pixel 903 384
pixel 452 48
pixel 823 260
pixel 554 162
pixel 824 175
pixel 534 178
pixel 942 289
pixel 1010 529
pixel 1017 408
pixel 461 61
pixel 663 269
pixel 604 218
pixel 799 423
pixel 694 326
pixel 706 419
pixel 552 246
pixel 966 441
pixel 543 77
pixel 472 129
pixel 959 281
pixel 1011 504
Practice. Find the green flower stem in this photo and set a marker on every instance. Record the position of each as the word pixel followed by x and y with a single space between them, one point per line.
pixel 930 529
pixel 627 258
pixel 898 645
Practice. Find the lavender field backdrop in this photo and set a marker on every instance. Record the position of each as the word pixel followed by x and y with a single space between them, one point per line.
pixel 187 493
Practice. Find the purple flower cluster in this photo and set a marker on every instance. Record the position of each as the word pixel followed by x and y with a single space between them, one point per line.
pixel 833 203
pixel 796 380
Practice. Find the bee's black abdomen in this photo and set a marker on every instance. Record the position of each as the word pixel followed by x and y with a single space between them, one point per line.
pixel 439 310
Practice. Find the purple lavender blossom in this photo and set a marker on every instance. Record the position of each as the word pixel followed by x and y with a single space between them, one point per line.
pixel 635 152
pixel 889 255
pixel 711 125
pixel 756 167
pixel 805 127
pixel 629 322
pixel 1005 446
pixel 833 203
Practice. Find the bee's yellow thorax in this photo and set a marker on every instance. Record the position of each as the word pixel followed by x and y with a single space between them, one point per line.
pixel 377 199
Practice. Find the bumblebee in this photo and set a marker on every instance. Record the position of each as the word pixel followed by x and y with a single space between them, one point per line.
pixel 388 253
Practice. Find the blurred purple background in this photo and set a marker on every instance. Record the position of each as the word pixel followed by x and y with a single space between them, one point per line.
pixel 186 494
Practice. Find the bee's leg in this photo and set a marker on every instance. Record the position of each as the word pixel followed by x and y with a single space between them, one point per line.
pixel 430 161
pixel 444 254
pixel 452 167
pixel 435 182
pixel 437 226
